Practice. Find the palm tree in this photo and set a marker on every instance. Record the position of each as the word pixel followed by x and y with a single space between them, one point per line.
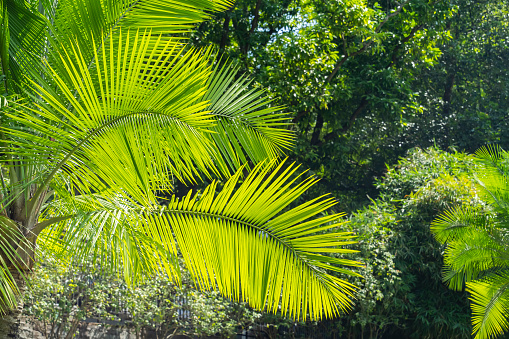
pixel 477 252
pixel 104 109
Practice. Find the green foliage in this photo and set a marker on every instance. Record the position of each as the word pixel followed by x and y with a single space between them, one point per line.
pixel 420 169
pixel 60 296
pixel 465 94
pixel 381 281
pixel 346 68
pixel 243 31
pixel 368 80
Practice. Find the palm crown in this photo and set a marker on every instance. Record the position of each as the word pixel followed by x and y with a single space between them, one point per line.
pixel 477 255
pixel 104 106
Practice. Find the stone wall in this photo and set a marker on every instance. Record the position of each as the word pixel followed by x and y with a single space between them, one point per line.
pixel 33 329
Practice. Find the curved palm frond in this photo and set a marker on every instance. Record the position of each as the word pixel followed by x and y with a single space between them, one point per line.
pixel 91 18
pixel 121 108
pixel 244 241
pixel 245 119
pixel 492 179
pixel 110 234
pixel 490 305
pixel 490 157
pixel 471 256
pixel 151 113
pixel 32 30
pixel 460 222
pixel 477 255
pixel 91 23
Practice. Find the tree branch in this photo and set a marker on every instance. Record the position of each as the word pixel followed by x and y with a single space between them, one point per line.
pixel 394 58
pixel 317 129
pixel 362 105
pixel 364 101
pixel 226 31
pixel 448 94
pixel 299 116
pixel 254 24
pixel 34 231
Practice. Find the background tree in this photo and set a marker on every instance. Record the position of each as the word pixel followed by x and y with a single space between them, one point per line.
pixel 465 93
pixel 369 80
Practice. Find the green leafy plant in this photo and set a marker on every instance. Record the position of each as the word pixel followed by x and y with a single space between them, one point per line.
pixel 401 294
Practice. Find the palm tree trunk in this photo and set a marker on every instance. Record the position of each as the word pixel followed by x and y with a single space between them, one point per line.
pixel 21 259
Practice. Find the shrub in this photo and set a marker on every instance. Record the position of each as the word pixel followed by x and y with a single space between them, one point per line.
pixel 401 293
pixel 62 295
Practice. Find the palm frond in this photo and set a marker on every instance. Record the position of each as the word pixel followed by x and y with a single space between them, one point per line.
pixel 244 241
pixel 460 222
pixel 157 14
pixel 147 110
pixel 129 114
pixel 89 18
pixel 490 156
pixel 492 179
pixel 31 31
pixel 248 127
pixel 490 297
pixel 476 255
pixel 90 24
pixel 470 256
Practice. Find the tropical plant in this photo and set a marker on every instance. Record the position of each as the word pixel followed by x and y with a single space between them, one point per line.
pixel 104 108
pixel 477 255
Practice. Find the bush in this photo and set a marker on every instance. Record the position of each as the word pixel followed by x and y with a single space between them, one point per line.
pixel 60 296
pixel 401 293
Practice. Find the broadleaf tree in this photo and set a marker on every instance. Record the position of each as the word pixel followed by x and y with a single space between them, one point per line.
pixel 104 109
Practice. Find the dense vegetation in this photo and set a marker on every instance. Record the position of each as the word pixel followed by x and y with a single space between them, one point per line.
pixel 368 80
pixel 475 235
pixel 388 99
pixel 401 293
